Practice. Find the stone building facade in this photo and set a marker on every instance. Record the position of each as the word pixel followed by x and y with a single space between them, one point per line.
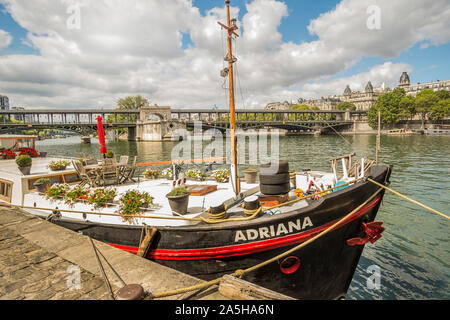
pixel 363 100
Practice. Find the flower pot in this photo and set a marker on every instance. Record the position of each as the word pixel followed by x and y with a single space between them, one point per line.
pixel 179 204
pixel 25 170
pixel 59 168
pixel 250 175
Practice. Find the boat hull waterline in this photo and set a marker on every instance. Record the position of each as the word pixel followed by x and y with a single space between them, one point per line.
pixel 325 266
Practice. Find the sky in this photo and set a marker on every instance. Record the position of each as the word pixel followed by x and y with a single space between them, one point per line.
pixel 68 54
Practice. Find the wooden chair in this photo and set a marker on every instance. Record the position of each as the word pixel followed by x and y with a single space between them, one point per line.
pixel 128 171
pixel 91 162
pixel 123 161
pixel 86 177
pixel 109 173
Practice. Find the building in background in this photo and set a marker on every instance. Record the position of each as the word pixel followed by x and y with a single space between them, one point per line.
pixel 363 100
pixel 4 103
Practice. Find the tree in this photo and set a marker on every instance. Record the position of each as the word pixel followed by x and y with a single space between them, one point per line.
pixel 407 107
pixel 424 102
pixel 440 110
pixel 389 106
pixel 346 106
pixel 443 94
pixel 131 103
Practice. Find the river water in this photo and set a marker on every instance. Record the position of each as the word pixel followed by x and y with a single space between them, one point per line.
pixel 411 260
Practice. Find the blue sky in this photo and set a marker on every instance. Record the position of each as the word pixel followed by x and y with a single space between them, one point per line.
pixel 429 64
pixel 319 71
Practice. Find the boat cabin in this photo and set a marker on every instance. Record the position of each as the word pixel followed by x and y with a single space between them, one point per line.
pixel 17 142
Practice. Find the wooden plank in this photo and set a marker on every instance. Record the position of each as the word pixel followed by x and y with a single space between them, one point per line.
pixel 201 190
pixel 145 244
pixel 238 289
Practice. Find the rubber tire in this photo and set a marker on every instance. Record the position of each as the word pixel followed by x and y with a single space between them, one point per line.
pixel 283 167
pixel 279 178
pixel 274 189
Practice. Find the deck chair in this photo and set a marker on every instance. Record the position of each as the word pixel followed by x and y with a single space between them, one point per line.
pixel 89 178
pixel 128 171
pixel 109 173
pixel 91 161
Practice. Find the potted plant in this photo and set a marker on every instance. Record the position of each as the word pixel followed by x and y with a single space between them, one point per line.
pixel 57 191
pixel 222 175
pixel 167 173
pixel 109 154
pixel 58 165
pixel 101 197
pixel 196 174
pixel 42 184
pixel 132 202
pixel 7 154
pixel 29 152
pixel 76 194
pixel 152 174
pixel 178 200
pixel 24 163
pixel 250 175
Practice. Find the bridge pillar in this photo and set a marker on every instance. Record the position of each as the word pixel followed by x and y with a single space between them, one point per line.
pixel 131 133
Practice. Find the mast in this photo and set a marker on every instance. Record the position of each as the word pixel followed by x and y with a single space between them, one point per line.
pixel 231 27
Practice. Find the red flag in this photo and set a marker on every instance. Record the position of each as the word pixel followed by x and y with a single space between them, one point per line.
pixel 101 135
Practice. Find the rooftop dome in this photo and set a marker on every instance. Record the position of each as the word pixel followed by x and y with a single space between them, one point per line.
pixel 404 79
pixel 347 91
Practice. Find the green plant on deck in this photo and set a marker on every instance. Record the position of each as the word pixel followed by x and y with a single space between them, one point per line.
pixel 24 161
pixel 56 164
pixel 151 173
pixel 109 154
pixel 100 197
pixel 167 173
pixel 221 175
pixel 75 194
pixel 57 191
pixel 132 202
pixel 41 181
pixel 196 174
pixel 179 191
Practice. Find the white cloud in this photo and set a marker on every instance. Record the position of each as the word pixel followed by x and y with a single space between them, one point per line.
pixel 5 39
pixel 135 47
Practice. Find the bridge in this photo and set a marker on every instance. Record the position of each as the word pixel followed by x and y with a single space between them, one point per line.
pixel 160 122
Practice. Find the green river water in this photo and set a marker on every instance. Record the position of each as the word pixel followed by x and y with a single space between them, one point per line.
pixel 413 255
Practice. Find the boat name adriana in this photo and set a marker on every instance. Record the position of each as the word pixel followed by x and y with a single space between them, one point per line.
pixel 273 230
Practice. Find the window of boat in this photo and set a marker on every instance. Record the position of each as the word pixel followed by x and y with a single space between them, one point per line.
pixel 71 177
pixel 25 143
pixel 5 190
pixel 59 178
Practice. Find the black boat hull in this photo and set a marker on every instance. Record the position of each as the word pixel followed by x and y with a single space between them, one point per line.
pixel 321 270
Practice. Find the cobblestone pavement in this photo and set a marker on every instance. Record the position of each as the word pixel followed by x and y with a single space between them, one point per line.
pixel 29 272
pixel 42 261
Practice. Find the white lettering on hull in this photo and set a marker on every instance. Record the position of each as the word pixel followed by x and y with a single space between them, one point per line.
pixel 273 230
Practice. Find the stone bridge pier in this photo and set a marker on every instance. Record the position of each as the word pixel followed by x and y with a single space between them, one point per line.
pixel 155 123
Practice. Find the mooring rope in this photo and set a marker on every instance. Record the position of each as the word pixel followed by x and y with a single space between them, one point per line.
pixel 409 199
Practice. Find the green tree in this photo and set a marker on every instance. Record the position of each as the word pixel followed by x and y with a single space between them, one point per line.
pixel 424 102
pixel 407 107
pixel 346 106
pixel 389 106
pixel 131 103
pixel 443 94
pixel 440 110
